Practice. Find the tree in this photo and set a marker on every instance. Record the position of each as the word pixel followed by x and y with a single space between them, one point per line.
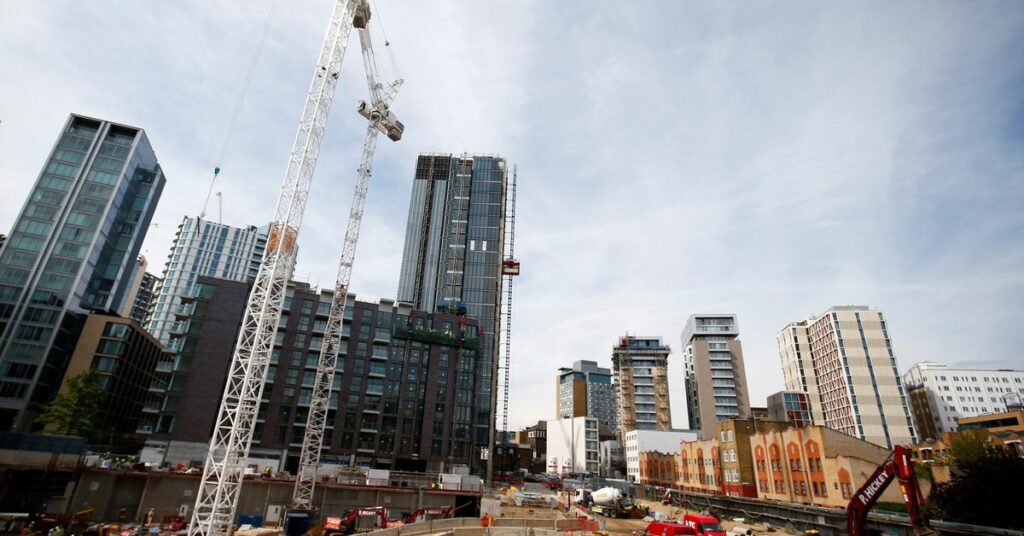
pixel 984 491
pixel 77 410
pixel 968 446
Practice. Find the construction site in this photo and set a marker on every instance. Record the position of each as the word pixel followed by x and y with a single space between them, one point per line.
pixel 267 405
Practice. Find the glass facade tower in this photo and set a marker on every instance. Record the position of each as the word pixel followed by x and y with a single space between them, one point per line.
pixel 203 248
pixel 586 390
pixel 454 248
pixel 73 250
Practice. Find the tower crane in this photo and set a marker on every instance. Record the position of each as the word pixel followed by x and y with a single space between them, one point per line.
pixel 380 119
pixel 223 471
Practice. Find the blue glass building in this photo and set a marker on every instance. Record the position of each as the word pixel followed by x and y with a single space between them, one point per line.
pixel 454 248
pixel 72 251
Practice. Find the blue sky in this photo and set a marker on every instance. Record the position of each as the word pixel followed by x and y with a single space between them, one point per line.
pixel 770 160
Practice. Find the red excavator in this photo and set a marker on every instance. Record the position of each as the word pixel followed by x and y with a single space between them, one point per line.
pixel 429 513
pixel 364 519
pixel 358 520
pixel 897 466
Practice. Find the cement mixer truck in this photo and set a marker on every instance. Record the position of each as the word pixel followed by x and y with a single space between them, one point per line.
pixel 611 502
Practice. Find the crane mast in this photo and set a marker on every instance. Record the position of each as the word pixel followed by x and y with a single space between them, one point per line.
pixel 223 471
pixel 380 119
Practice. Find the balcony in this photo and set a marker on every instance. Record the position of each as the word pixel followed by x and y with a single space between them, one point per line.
pixel 164 366
pixel 185 310
pixel 424 334
pixel 151 407
pixel 179 328
pixel 175 345
pixel 145 429
pixel 189 296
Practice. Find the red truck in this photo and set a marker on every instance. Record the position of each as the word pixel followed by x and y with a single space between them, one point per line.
pixel 690 524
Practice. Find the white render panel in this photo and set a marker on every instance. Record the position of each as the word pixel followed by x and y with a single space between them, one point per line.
pixel 574 444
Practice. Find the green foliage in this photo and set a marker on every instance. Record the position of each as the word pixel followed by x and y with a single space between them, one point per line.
pixel 924 472
pixel 985 490
pixel 969 445
pixel 76 411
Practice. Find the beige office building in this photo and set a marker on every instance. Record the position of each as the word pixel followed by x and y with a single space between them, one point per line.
pixel 849 371
pixel 716 382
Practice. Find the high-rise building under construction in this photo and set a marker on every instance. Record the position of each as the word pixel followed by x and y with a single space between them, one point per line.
pixel 453 254
pixel 640 367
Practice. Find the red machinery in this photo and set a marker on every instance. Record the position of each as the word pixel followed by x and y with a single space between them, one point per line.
pixel 353 522
pixel 510 267
pixel 429 513
pixel 896 466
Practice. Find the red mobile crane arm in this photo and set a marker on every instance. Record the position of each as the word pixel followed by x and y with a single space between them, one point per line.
pixel 337 525
pixel 429 513
pixel 896 466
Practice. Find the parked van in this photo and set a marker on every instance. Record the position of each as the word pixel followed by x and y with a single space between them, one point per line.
pixel 667 528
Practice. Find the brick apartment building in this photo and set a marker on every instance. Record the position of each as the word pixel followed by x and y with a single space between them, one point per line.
pixel 404 392
pixel 774 460
pixel 658 469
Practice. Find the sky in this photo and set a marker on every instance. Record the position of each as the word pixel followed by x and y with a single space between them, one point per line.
pixel 764 159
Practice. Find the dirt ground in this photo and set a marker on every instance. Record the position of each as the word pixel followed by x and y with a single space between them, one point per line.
pixel 629 526
pixel 623 526
pixel 675 512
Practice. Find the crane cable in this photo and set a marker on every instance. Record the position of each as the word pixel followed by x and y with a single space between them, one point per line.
pixel 387 42
pixel 238 105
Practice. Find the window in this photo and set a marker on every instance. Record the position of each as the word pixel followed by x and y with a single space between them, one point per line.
pixel 110 347
pixel 114 330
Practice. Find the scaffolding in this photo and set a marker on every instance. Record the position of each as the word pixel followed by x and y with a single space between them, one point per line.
pixel 509 270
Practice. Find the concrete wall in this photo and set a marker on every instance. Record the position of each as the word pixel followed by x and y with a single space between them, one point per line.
pixel 166 493
pixel 27 459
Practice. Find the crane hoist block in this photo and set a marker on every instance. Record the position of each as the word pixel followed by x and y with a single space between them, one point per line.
pixel 361 14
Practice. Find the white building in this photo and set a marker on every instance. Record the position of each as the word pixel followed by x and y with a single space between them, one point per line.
pixel 638 441
pixel 610 459
pixel 203 248
pixel 941 395
pixel 573 446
